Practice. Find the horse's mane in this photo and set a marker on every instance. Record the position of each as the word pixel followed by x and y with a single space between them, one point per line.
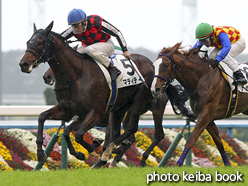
pixel 178 49
pixel 65 41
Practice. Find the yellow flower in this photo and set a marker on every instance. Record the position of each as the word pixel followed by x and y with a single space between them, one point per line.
pixel 143 141
pixel 5 167
pixel 217 160
pixel 74 164
pixel 4 152
pixel 151 163
pixel 77 146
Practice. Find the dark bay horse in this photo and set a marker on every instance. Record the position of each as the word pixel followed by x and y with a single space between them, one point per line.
pixel 208 91
pixel 156 106
pixel 83 91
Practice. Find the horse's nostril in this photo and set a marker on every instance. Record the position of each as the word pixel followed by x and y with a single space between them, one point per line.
pixel 157 89
pixel 49 77
pixel 24 64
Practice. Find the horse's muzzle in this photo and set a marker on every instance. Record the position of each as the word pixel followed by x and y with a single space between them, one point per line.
pixel 48 79
pixel 157 93
pixel 25 67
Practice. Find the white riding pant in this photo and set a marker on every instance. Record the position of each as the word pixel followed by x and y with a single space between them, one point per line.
pixel 99 51
pixel 236 49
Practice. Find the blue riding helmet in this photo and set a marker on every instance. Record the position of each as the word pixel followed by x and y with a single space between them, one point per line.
pixel 76 16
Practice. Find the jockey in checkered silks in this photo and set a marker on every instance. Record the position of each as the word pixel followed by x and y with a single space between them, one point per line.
pixel 95 34
pixel 228 43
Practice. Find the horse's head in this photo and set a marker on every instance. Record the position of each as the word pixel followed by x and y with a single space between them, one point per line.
pixel 49 77
pixel 38 49
pixel 165 71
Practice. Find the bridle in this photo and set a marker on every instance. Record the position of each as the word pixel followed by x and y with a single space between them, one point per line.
pixel 173 69
pixel 43 55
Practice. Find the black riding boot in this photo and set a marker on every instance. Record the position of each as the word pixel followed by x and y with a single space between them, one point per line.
pixel 113 71
pixel 239 77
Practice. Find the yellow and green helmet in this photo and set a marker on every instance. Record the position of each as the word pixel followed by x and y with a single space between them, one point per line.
pixel 203 30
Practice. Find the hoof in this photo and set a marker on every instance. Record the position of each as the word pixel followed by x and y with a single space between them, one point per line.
pixel 228 164
pixel 94 154
pixel 98 164
pixel 142 164
pixel 117 151
pixel 97 142
pixel 42 156
pixel 113 164
pixel 177 165
pixel 80 155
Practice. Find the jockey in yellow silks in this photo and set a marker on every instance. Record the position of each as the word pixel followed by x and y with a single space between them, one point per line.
pixel 228 43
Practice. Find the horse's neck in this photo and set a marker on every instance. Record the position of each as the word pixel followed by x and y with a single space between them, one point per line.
pixel 190 74
pixel 65 65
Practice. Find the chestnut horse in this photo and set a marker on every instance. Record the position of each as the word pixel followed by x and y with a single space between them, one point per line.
pixel 82 90
pixel 208 91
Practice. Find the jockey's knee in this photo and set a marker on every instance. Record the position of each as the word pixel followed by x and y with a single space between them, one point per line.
pixel 91 51
pixel 98 56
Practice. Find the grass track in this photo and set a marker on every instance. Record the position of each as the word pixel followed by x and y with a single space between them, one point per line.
pixel 115 177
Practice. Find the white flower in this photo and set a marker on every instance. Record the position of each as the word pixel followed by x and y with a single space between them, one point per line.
pixel 26 138
pixel 242 145
pixel 213 150
pixel 97 134
pixel 33 164
pixel 119 164
pixel 3 161
pixel 152 158
pixel 171 135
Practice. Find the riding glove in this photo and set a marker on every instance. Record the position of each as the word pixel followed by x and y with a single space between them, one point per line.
pixel 214 63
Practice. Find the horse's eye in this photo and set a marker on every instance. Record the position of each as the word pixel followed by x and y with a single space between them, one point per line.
pixel 165 65
pixel 40 43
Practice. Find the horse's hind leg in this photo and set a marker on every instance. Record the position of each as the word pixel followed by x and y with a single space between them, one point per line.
pixel 214 132
pixel 114 125
pixel 72 127
pixel 91 120
pixel 125 145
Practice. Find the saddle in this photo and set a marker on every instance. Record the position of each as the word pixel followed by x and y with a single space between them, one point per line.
pixel 227 73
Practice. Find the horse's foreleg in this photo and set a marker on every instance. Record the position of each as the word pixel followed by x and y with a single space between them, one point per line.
pixel 54 113
pixel 157 111
pixel 158 136
pixel 214 132
pixel 201 124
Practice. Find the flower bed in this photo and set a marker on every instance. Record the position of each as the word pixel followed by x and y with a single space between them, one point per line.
pixel 18 150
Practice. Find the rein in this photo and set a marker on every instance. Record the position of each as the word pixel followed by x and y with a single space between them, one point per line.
pixel 72 82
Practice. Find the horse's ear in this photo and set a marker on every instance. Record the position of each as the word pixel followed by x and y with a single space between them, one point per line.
pixel 49 28
pixel 35 29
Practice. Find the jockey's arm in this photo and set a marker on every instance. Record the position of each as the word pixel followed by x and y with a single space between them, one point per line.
pixel 111 30
pixel 226 44
pixel 68 33
pixel 198 45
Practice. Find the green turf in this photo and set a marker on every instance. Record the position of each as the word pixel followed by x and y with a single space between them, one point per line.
pixel 118 177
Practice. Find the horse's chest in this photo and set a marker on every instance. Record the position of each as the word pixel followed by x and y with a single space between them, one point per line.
pixel 67 104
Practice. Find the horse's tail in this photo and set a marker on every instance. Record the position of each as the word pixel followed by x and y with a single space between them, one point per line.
pixel 178 97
